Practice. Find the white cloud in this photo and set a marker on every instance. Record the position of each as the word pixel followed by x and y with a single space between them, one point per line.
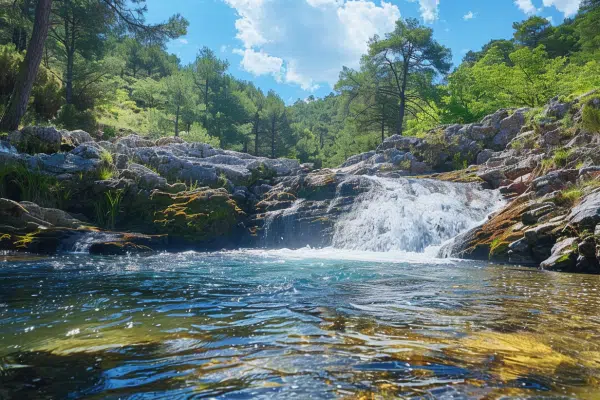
pixel 313 39
pixel 260 63
pixel 526 6
pixel 428 9
pixel 468 16
pixel 325 3
pixel 567 7
pixel 183 41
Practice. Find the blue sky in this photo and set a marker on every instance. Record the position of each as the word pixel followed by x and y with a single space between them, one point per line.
pixel 297 47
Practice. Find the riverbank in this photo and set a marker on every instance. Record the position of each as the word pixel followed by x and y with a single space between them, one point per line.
pixel 64 189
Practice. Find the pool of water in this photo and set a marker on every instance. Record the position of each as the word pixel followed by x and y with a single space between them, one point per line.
pixel 294 324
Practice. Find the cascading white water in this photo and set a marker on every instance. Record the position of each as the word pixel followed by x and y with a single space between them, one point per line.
pixel 84 242
pixel 412 214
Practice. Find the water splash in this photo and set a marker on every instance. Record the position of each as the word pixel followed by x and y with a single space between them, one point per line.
pixel 83 243
pixel 412 214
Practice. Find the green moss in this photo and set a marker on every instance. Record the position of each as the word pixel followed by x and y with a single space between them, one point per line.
pixel 498 247
pixel 196 216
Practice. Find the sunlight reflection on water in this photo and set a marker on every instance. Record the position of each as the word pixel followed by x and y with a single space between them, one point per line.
pixel 295 324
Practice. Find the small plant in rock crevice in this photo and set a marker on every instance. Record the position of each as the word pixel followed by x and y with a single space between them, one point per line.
pixel 108 208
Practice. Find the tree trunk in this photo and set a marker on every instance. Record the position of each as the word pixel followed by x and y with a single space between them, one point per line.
pixel 256 122
pixel 402 108
pixel 17 105
pixel 177 122
pixel 69 78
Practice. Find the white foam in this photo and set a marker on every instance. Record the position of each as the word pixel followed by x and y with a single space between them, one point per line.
pixel 330 253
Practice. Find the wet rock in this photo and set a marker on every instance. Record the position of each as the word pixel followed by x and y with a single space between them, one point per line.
pixel 52 216
pixel 563 258
pixel 587 265
pixel 7 148
pixel 36 139
pixel 199 217
pixel 519 252
pixel 544 232
pixel 118 249
pixel 587 247
pixel 586 215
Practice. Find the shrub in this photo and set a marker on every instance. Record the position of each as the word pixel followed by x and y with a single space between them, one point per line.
pixel 71 118
pixel 105 173
pixel 591 118
pixel 22 184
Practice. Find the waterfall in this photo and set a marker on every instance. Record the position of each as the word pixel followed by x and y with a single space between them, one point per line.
pixel 412 214
pixel 82 243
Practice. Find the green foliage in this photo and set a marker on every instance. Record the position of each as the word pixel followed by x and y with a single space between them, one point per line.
pixel 569 197
pixel 198 134
pixel 591 116
pixel 71 118
pixel 561 157
pixel 105 173
pixel 108 208
pixel 120 77
pixel 30 185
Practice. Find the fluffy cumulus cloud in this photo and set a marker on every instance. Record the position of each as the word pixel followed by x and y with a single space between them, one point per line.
pixel 526 6
pixel 307 42
pixel 429 9
pixel 567 7
pixel 468 16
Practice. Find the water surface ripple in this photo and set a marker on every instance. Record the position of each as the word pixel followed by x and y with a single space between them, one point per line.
pixel 295 324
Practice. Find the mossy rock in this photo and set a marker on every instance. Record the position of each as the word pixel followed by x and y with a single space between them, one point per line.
pixel 198 216
pixel 119 248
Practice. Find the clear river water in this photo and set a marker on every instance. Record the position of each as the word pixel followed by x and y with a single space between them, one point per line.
pixel 282 324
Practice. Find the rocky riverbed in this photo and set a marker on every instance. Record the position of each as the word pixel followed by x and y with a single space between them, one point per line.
pixel 60 189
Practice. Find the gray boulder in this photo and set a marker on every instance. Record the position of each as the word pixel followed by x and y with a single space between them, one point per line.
pixel 586 215
pixel 563 258
pixel 76 138
pixel 36 139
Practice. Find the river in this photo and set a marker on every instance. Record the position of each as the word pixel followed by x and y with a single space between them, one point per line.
pixel 294 324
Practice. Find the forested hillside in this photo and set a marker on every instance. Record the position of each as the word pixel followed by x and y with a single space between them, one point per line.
pixel 106 71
